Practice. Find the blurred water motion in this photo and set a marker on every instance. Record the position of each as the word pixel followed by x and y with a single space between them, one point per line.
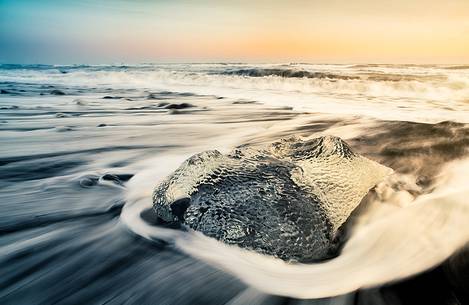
pixel 76 171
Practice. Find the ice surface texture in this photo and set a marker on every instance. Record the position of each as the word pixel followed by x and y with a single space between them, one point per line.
pixel 286 200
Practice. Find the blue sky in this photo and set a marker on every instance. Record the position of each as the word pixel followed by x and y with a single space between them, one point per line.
pixel 85 31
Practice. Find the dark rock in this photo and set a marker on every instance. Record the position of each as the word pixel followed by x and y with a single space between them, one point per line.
pixel 186 94
pixel 179 106
pixel 9 107
pixel 102 125
pixel 57 92
pixel 88 181
pixel 243 102
pixel 117 178
pixel 112 178
pixel 124 177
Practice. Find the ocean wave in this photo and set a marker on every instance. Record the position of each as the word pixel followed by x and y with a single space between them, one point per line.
pixel 364 76
pixel 457 67
pixel 289 73
pixel 390 92
pixel 359 66
pixel 394 77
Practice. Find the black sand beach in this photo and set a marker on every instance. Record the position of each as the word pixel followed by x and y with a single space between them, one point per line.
pixel 68 163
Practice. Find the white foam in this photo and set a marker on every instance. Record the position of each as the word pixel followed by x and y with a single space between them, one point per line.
pixel 429 95
pixel 406 241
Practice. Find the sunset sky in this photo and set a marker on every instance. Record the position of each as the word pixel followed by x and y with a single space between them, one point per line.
pixel 331 31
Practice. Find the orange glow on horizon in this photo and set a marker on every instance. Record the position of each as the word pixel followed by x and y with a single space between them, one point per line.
pixel 419 31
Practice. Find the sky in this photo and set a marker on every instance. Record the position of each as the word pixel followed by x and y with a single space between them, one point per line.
pixel 317 31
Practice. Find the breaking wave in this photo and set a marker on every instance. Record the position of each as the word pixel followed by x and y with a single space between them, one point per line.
pixel 253 72
pixel 396 92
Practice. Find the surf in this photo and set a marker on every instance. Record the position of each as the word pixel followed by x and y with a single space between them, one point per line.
pixel 393 243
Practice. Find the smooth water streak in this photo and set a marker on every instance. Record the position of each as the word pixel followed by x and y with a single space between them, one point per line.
pixel 400 243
